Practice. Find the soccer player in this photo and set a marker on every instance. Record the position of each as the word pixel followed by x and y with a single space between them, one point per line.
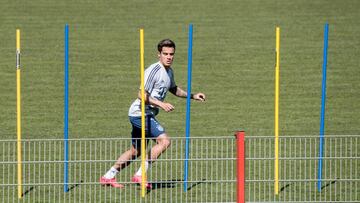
pixel 159 79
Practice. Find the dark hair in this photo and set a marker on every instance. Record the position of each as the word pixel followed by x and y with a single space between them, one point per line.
pixel 165 43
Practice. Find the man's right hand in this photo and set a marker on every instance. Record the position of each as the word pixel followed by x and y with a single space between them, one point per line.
pixel 167 106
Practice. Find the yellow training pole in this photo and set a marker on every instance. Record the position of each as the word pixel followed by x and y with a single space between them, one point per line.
pixel 143 177
pixel 277 77
pixel 18 115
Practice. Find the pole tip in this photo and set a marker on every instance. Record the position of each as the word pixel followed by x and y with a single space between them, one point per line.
pixel 240 132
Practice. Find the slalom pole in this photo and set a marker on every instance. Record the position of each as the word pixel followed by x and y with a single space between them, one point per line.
pixel 323 102
pixel 18 115
pixel 240 166
pixel 277 88
pixel 187 141
pixel 143 176
pixel 66 107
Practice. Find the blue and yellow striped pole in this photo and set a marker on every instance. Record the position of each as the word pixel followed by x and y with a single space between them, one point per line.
pixel 143 177
pixel 277 88
pixel 18 115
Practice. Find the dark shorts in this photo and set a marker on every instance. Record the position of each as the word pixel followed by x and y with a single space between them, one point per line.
pixel 152 129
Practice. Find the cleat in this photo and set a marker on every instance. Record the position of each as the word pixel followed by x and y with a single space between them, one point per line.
pixel 110 182
pixel 137 180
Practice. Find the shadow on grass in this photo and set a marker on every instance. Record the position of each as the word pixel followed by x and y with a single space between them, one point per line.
pixel 172 184
pixel 74 186
pixel 324 186
pixel 28 191
pixel 196 184
pixel 32 188
pixel 330 183
pixel 285 186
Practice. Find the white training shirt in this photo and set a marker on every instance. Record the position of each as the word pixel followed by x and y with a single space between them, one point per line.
pixel 158 80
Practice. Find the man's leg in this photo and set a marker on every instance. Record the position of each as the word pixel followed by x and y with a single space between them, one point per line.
pixel 126 158
pixel 162 143
pixel 155 131
pixel 123 161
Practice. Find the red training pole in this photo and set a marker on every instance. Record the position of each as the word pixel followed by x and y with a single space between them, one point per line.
pixel 240 166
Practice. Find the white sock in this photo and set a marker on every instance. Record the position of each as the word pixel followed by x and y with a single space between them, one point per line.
pixel 147 166
pixel 111 173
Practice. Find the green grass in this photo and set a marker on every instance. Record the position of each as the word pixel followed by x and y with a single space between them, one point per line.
pixel 233 64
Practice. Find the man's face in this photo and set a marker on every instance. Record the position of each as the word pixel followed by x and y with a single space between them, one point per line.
pixel 166 56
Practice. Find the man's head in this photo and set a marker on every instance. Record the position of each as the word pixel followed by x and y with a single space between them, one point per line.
pixel 166 51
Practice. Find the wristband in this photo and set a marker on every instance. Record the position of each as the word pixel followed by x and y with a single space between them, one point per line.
pixel 191 96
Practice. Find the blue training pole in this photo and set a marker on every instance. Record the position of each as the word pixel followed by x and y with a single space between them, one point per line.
pixel 187 141
pixel 322 114
pixel 66 108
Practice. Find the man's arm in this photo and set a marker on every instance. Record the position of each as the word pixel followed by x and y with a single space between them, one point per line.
pixel 152 101
pixel 177 91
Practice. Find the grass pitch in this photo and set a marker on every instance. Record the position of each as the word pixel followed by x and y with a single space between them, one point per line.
pixel 233 64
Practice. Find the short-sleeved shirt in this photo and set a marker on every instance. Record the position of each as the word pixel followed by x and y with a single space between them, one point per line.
pixel 158 80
